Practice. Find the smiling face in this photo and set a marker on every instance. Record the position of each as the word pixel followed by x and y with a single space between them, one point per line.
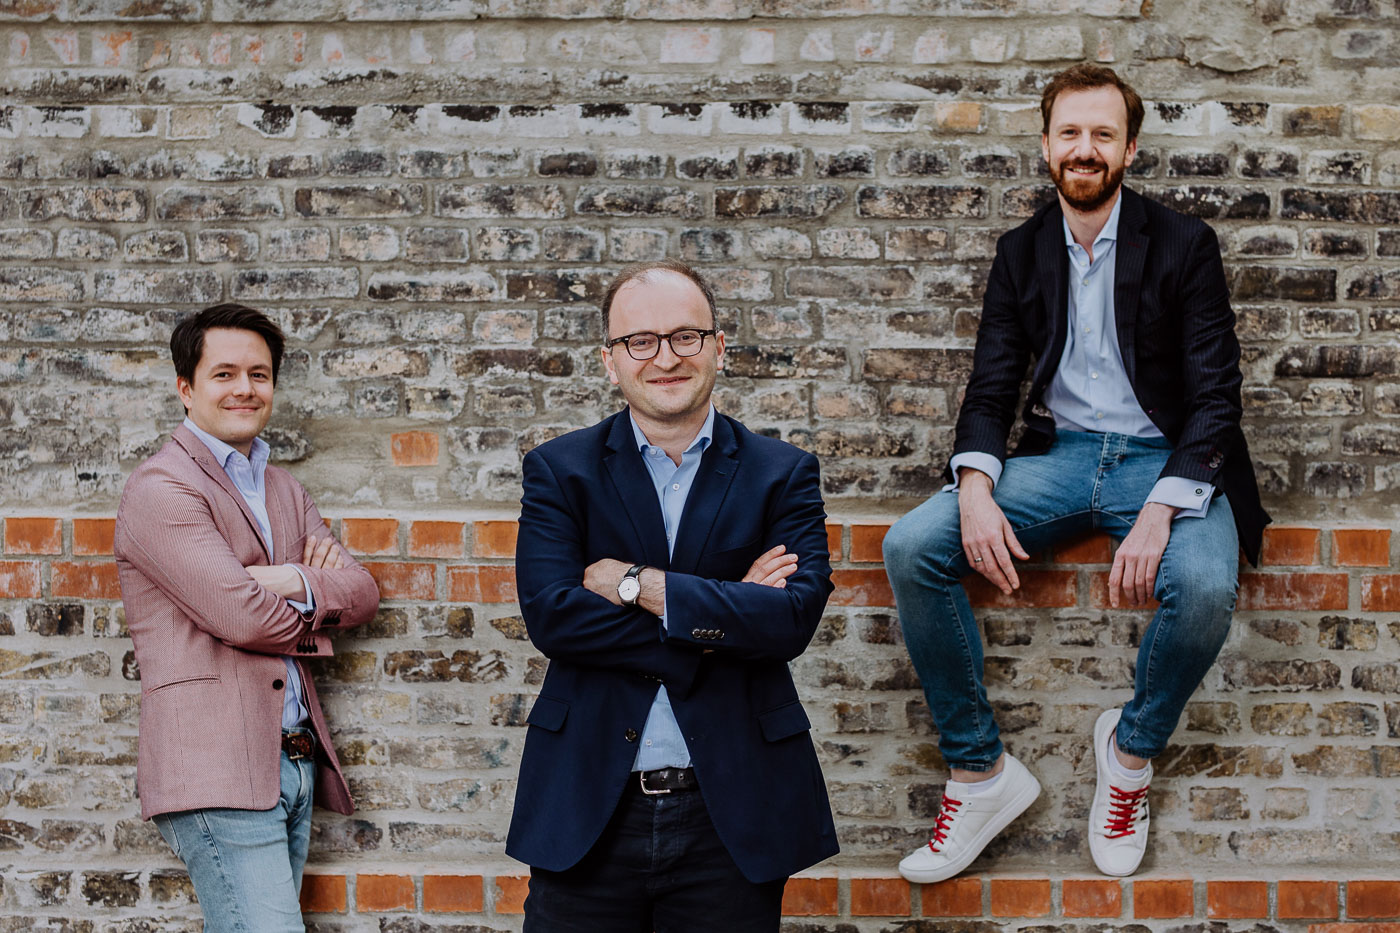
pixel 1087 147
pixel 230 395
pixel 666 389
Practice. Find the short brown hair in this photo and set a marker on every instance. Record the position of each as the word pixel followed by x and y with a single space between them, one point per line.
pixel 642 269
pixel 187 341
pixel 1086 77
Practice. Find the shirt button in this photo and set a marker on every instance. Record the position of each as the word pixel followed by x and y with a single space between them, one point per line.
pixel 1098 414
pixel 1200 492
pixel 1084 282
pixel 675 485
pixel 1088 330
pixel 1093 375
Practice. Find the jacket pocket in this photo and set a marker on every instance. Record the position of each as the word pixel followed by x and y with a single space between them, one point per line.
pixel 199 678
pixel 783 721
pixel 548 713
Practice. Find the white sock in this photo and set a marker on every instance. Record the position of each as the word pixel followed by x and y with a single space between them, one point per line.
pixel 1119 770
pixel 980 787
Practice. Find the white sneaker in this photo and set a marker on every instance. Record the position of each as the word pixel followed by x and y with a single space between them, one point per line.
pixel 965 826
pixel 1119 818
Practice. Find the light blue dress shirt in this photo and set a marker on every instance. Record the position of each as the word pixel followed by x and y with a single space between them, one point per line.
pixel 247 474
pixel 662 745
pixel 1090 390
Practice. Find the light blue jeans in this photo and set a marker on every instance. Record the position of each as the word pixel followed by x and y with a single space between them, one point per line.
pixel 1085 481
pixel 246 864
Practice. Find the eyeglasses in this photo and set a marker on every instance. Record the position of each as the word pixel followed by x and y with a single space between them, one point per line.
pixel 645 345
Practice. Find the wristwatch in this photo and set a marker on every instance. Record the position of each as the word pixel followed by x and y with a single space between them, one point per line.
pixel 629 587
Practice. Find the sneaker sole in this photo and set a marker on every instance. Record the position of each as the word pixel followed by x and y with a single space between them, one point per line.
pixel 979 842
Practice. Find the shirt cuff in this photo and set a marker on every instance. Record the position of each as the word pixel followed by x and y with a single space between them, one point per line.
pixel 310 604
pixel 978 461
pixel 1192 497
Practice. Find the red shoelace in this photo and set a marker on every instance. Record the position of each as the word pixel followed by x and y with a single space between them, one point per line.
pixel 1122 811
pixel 946 809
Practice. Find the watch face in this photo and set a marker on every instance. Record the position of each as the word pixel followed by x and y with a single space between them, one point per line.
pixel 629 589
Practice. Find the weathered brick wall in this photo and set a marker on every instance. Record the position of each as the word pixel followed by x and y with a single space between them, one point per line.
pixel 430 197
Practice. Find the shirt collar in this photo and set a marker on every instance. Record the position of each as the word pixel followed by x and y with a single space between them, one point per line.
pixel 1110 227
pixel 221 451
pixel 701 441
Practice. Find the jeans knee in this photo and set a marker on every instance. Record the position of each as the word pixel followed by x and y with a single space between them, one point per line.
pixel 916 544
pixel 1204 591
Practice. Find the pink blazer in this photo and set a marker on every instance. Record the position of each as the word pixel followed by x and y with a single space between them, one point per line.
pixel 210 641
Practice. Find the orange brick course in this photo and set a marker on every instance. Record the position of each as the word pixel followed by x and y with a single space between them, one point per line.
pixel 414 448
pixel 1361 547
pixel 1307 900
pixel 1237 899
pixel 1018 897
pixel 384 892
pixel 1368 900
pixel 1092 897
pixel 33 536
pixel 93 537
pixel 84 579
pixel 880 897
pixel 370 535
pixel 1289 547
pixel 488 583
pixel 458 894
pixel 511 891
pixel 20 579
pixel 811 897
pixel 956 897
pixel 494 539
pixel 323 894
pixel 404 580
pixel 436 539
pixel 1163 899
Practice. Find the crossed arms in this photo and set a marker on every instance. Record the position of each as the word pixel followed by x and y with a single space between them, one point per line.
pixel 571 609
pixel 166 531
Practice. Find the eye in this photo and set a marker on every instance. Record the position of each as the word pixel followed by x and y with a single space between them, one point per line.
pixel 642 342
pixel 685 338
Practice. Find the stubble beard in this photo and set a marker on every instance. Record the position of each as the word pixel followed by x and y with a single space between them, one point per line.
pixel 1093 199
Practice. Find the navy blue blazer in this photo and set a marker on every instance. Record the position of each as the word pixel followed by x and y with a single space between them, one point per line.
pixel 588 496
pixel 1175 330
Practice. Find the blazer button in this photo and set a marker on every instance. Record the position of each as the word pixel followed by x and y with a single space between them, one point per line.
pixel 630 735
pixel 697 633
pixel 277 684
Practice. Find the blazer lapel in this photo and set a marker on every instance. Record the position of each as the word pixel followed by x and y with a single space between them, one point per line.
pixel 201 456
pixel 636 493
pixel 706 499
pixel 1052 267
pixel 1127 278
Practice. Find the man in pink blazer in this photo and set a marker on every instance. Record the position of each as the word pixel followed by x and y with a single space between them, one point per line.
pixel 230 579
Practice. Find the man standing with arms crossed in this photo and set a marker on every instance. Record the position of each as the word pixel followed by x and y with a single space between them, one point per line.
pixel 670 563
pixel 1132 426
pixel 230 578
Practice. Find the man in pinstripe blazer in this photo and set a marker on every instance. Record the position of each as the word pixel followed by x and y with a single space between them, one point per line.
pixel 230 578
pixel 1131 425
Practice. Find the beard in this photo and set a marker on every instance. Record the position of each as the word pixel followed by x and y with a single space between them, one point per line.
pixel 1083 194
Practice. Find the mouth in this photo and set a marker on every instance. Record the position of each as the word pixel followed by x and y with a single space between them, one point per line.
pixel 668 380
pixel 1084 170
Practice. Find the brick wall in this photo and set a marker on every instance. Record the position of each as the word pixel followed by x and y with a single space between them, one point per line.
pixel 430 195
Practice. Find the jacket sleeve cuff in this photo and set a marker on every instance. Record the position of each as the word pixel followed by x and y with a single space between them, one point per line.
pixel 986 463
pixel 310 605
pixel 1192 497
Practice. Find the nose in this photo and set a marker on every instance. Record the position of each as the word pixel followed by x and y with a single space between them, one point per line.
pixel 666 356
pixel 243 386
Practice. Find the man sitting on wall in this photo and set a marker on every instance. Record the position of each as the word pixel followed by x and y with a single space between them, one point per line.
pixel 1132 426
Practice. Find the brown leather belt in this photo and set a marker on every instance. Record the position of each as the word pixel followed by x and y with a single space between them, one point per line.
pixel 298 745
pixel 667 780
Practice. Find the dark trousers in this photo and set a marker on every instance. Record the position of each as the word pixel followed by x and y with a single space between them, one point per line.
pixel 659 867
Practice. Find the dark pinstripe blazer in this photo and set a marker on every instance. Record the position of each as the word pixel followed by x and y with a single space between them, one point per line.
pixel 1175 329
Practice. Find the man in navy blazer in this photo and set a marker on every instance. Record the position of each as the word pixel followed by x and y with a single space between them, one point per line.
pixel 670 564
pixel 1131 425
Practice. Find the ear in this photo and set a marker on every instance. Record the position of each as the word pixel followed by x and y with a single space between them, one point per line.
pixel 1130 153
pixel 719 350
pixel 1045 147
pixel 185 391
pixel 608 365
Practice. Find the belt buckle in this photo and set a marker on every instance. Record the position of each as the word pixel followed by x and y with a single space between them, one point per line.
pixel 642 780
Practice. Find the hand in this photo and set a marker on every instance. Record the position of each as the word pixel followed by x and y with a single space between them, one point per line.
pixel 281 579
pixel 321 553
pixel 772 568
pixel 988 540
pixel 1134 572
pixel 603 576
